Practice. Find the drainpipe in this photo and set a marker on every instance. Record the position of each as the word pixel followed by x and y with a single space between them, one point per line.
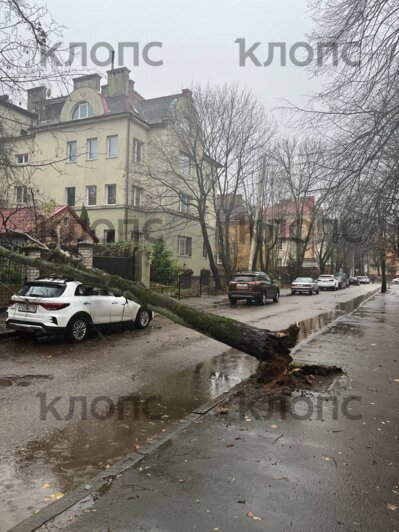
pixel 127 178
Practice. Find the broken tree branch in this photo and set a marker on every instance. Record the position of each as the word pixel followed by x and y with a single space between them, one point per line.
pixel 271 347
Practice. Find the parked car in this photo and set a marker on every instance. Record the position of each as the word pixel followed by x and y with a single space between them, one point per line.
pixel 58 306
pixel 363 279
pixel 304 285
pixel 327 282
pixel 343 281
pixel 354 280
pixel 396 280
pixel 253 286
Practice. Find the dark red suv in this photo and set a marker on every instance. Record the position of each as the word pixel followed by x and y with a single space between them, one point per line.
pixel 253 286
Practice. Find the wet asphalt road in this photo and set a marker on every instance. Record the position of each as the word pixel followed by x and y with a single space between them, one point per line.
pixel 42 458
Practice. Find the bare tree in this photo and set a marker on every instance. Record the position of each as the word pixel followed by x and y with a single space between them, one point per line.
pixel 299 174
pixel 213 144
pixel 358 108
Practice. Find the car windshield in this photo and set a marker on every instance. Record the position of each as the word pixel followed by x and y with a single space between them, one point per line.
pixel 245 278
pixel 325 277
pixel 42 290
pixel 304 280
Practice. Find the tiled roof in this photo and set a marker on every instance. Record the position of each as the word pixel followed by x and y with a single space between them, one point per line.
pixel 151 111
pixel 21 220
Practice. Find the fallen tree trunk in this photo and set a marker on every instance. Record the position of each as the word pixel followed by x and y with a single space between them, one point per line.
pixel 270 347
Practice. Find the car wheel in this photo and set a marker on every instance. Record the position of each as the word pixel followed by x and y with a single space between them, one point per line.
pixel 78 329
pixel 142 319
pixel 276 298
pixel 233 301
pixel 293 292
pixel 317 291
pixel 311 292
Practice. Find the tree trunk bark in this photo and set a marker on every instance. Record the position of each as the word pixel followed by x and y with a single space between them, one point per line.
pixel 383 273
pixel 270 347
pixel 211 258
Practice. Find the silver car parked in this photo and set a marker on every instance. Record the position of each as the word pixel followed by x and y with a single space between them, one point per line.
pixel 304 285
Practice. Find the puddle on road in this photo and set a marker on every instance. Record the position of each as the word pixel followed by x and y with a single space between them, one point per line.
pixel 312 325
pixel 50 467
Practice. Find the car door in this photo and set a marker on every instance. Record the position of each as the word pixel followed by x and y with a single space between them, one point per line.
pixel 268 286
pixel 120 309
pixel 97 304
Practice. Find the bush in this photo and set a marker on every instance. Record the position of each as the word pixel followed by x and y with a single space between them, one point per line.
pixel 164 268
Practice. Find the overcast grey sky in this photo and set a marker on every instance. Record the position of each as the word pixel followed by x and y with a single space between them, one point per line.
pixel 198 41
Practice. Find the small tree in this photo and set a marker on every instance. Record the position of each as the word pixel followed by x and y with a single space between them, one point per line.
pixel 164 268
pixel 84 216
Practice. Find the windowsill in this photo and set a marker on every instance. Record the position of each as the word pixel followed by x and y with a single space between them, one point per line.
pixel 94 159
pixel 110 204
pixel 71 162
pixel 112 157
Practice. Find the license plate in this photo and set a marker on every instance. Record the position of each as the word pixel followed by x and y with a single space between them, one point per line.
pixel 242 286
pixel 27 308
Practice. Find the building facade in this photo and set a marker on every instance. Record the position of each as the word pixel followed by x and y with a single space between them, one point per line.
pixel 90 148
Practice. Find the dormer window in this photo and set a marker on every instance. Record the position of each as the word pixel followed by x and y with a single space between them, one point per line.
pixel 82 110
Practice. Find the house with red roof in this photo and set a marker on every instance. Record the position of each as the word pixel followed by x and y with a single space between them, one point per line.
pixel 61 227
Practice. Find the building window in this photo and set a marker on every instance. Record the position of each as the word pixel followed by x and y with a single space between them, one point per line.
pixel 112 146
pixel 186 125
pixel 185 164
pixel 70 196
pixel 22 158
pixel 21 194
pixel 184 246
pixel 91 195
pixel 184 203
pixel 91 149
pixel 110 194
pixel 137 196
pixel 82 110
pixel 219 259
pixel 109 236
pixel 65 222
pixel 72 151
pixel 280 244
pixel 138 151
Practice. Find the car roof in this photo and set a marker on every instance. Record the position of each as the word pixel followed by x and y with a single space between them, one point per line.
pixel 250 273
pixel 55 280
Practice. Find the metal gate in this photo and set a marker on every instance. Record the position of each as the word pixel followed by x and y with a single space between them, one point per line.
pixel 122 266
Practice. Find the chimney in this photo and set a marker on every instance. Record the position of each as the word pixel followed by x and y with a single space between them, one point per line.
pixel 36 96
pixel 118 82
pixel 187 92
pixel 91 80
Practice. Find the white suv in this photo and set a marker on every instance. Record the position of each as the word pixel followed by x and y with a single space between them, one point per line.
pixel 328 282
pixel 58 306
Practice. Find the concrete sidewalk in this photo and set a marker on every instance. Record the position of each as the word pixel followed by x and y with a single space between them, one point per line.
pixel 325 459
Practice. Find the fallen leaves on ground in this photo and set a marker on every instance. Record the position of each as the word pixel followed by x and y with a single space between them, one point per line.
pixel 252 516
